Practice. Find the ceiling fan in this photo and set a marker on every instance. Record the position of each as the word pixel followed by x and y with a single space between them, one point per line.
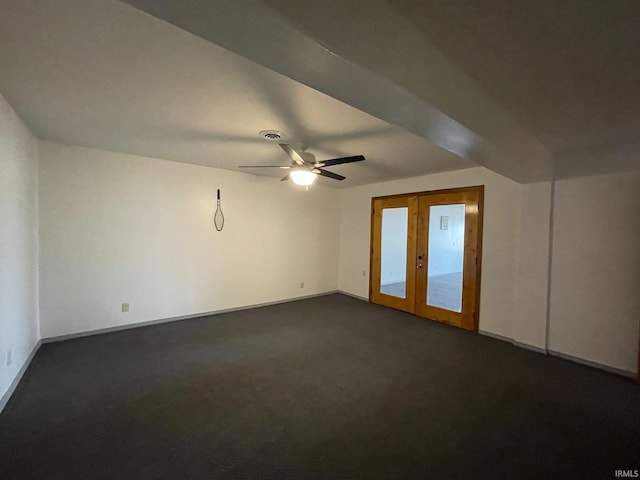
pixel 305 168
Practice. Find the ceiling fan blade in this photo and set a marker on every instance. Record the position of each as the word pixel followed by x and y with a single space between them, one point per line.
pixel 328 174
pixel 285 178
pixel 295 156
pixel 339 161
pixel 265 166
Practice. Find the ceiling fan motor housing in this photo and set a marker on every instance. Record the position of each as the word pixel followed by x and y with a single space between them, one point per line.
pixel 308 157
pixel 304 166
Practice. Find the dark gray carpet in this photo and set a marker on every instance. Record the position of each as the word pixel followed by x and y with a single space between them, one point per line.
pixel 330 387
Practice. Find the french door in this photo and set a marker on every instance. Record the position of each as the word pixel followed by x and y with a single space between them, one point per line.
pixel 425 254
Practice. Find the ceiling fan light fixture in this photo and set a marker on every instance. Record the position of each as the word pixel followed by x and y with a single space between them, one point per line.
pixel 302 177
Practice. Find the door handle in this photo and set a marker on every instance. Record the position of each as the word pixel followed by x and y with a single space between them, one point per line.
pixel 419 265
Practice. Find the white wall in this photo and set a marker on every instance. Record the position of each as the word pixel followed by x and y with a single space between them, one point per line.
pixel 500 242
pixel 529 323
pixel 595 286
pixel 18 244
pixel 393 258
pixel 121 228
pixel 446 247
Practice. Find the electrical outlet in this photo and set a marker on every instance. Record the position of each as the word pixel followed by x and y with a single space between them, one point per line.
pixel 301 284
pixel 9 360
pixel 125 307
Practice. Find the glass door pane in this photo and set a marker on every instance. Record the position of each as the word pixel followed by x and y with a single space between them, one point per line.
pixel 393 261
pixel 446 257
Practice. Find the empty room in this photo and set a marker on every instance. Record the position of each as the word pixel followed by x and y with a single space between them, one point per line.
pixel 327 240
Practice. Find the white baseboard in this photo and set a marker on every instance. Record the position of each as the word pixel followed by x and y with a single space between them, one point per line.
pixel 496 336
pixel 564 356
pixel 117 328
pixel 589 363
pixel 526 346
pixel 353 295
pixel 14 384
pixel 60 338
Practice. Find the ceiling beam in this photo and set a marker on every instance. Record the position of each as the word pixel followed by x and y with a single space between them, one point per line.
pixel 377 63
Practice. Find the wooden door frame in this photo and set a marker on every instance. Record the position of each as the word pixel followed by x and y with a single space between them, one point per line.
pixel 480 190
pixel 467 317
pixel 406 304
